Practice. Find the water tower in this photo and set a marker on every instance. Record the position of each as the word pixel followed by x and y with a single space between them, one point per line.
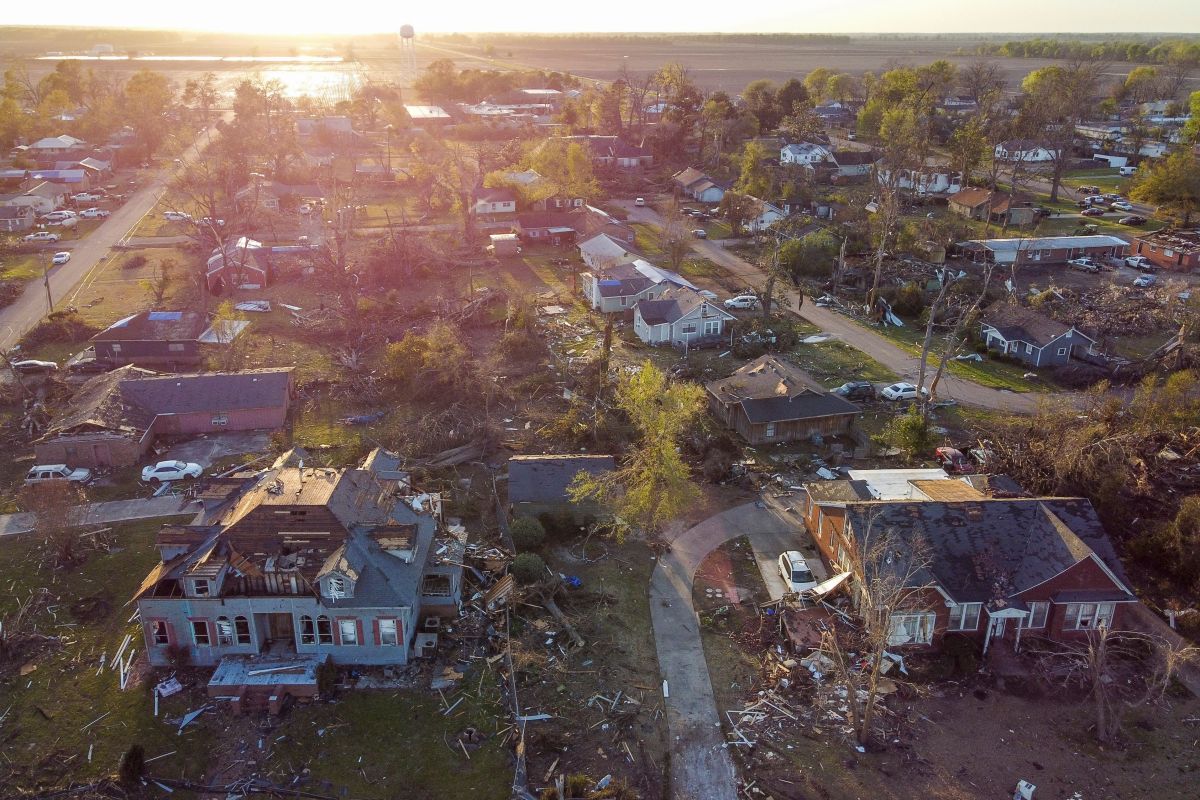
pixel 408 53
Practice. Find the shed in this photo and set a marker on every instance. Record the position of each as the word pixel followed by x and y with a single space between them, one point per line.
pixel 505 244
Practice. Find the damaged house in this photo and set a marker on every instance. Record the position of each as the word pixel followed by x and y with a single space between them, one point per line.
pixel 115 418
pixel 997 568
pixel 771 400
pixel 299 565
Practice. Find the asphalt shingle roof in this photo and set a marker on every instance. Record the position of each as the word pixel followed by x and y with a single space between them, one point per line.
pixel 545 478
pixel 1018 324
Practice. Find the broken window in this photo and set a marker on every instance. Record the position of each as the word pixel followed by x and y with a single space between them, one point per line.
pixel 387 633
pixel 1038 612
pixel 1085 616
pixel 308 633
pixel 160 633
pixel 241 627
pixel 200 587
pixel 200 633
pixel 337 588
pixel 914 628
pixel 324 630
pixel 224 631
pixel 348 628
pixel 965 617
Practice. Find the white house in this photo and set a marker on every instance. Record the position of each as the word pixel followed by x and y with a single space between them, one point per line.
pixel 43 198
pixel 495 201
pixel 680 316
pixel 54 145
pixel 612 290
pixel 1025 150
pixel 930 180
pixel 803 153
pixel 763 215
pixel 602 251
pixel 695 184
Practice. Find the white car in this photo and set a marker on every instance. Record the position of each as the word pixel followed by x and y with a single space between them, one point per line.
pixel 58 216
pixel 742 301
pixel 41 236
pixel 1095 200
pixel 1122 205
pixel 29 365
pixel 86 197
pixel 94 213
pixel 796 574
pixel 171 471
pixel 901 391
pixel 305 209
pixel 639 202
pixel 1083 263
pixel 1141 262
pixel 58 472
pixel 61 258
pixel 1144 281
pixel 177 216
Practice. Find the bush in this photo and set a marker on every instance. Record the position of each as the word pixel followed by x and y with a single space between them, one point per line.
pixel 909 432
pixel 10 291
pixel 559 525
pixel 527 533
pixel 910 301
pixel 528 568
pixel 135 262
pixel 60 326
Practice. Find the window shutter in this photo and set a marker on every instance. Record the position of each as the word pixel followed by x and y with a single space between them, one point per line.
pixel 337 632
pixel 375 625
pixel 359 625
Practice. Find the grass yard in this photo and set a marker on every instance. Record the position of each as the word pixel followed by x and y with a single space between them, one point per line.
pixel 381 744
pixel 989 372
pixel 1107 179
pixel 41 740
pixel 23 267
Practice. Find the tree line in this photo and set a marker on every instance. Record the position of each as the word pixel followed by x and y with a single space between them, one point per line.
pixel 1169 51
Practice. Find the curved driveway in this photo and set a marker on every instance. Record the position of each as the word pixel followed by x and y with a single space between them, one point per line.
pixel 700 762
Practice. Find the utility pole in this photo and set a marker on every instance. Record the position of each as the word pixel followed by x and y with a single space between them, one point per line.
pixel 46 281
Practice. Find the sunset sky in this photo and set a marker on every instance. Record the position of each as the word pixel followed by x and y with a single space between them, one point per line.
pixel 354 16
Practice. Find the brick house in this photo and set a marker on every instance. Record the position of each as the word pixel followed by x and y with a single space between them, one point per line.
pixel 771 400
pixel 1176 250
pixel 169 339
pixel 1042 249
pixel 115 418
pixel 999 568
pixel 305 565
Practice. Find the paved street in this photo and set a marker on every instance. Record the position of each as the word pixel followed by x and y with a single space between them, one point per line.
pixel 700 763
pixel 113 511
pixel 86 254
pixel 853 333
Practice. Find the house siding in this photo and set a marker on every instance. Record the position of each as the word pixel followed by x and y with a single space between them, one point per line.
pixel 102 449
pixel 1178 261
pixel 734 416
pixel 157 353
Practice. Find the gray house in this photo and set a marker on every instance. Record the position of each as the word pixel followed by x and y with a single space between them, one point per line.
pixel 619 288
pixel 302 565
pixel 538 484
pixel 1032 337
pixel 681 316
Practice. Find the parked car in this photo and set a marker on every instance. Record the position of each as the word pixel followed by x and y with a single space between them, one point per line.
pixel 1144 281
pixel 1141 262
pixel 1122 205
pixel 65 222
pixel 86 197
pixel 902 391
pixel 1112 197
pixel 1084 263
pixel 856 390
pixel 639 202
pixel 61 214
pixel 88 365
pixel 40 236
pixel 61 258
pixel 1089 190
pixel 952 460
pixel 700 233
pixel 57 472
pixel 1132 219
pixel 171 471
pixel 177 216
pixel 220 223
pixel 1095 199
pixel 1127 171
pixel 305 209
pixel 94 213
pixel 796 574
pixel 747 301
pixel 32 365
pixel 1092 212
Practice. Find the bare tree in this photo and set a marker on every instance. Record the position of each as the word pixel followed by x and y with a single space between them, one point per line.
pixel 675 234
pixel 887 214
pixel 891 598
pixel 57 507
pixel 1121 670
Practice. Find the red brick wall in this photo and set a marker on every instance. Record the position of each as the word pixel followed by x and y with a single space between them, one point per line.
pixel 1178 262
pixel 89 451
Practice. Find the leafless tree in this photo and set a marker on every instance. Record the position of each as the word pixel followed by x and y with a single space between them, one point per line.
pixel 886 579
pixel 1121 670
pixel 57 507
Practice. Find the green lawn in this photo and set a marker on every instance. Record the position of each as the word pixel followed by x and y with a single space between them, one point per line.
pixel 43 744
pixel 988 372
pixel 378 744
pixel 22 267
pixel 1106 179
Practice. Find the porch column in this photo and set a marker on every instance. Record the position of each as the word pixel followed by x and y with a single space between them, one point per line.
pixel 987 637
pixel 1020 625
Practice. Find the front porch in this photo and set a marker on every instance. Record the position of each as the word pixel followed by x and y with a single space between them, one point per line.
pixel 264 683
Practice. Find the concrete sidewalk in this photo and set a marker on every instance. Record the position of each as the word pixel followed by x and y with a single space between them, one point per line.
pixel 107 513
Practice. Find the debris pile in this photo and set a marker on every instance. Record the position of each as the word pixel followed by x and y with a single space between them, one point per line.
pixel 1112 310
